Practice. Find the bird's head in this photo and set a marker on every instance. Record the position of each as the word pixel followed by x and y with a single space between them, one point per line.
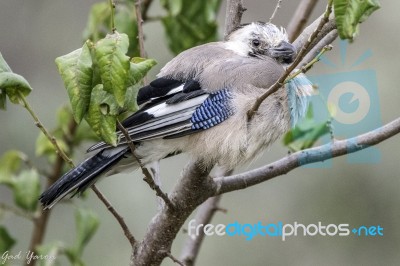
pixel 259 39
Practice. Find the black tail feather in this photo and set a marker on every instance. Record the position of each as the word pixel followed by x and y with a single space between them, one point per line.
pixel 82 176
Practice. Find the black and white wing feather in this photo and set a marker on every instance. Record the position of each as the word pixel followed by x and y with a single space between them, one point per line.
pixel 171 109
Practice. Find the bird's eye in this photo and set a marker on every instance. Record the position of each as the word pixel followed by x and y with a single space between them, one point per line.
pixel 256 42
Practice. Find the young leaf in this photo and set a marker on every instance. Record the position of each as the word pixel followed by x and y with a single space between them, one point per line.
pixel 3 65
pixel 174 6
pixel 349 13
pixel 76 71
pixel 131 98
pixel 14 84
pixel 99 19
pixel 125 21
pixel 139 68
pixel 87 223
pixel 194 24
pixel 98 22
pixel 113 63
pixel 6 241
pixel 10 163
pixel 305 133
pixel 52 251
pixel 102 114
pixel 26 189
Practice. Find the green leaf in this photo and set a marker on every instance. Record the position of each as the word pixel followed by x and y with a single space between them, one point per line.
pixel 76 71
pixel 3 65
pixel 26 189
pixel 139 68
pixel 125 21
pixel 99 22
pixel 64 117
pixel 50 252
pixel 101 117
pixel 113 64
pixel 87 223
pixel 305 133
pixel 6 241
pixel 195 24
pixel 14 84
pixel 349 13
pixel 173 6
pixel 10 163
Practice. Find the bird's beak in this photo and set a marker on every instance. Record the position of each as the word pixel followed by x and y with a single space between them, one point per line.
pixel 285 52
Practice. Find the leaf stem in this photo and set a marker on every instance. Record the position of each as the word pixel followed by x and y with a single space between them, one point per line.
pixel 112 7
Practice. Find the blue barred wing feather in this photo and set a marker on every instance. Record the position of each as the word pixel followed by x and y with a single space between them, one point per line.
pixel 172 109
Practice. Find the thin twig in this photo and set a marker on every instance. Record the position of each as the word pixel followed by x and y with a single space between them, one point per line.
pixel 310 64
pixel 280 82
pixel 139 21
pixel 117 216
pixel 278 5
pixel 39 124
pixel 140 36
pixel 327 40
pixel 300 18
pixel 112 7
pixel 41 221
pixel 169 255
pixel 147 176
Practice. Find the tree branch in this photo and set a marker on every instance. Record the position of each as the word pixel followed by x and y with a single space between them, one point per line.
pixel 313 53
pixel 317 154
pixel 204 214
pixel 193 188
pixel 139 20
pixel 192 245
pixel 233 16
pixel 300 18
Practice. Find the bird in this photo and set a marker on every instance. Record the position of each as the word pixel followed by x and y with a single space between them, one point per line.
pixel 198 105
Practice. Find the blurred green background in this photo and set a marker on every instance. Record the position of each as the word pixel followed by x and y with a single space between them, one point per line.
pixel 34 33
